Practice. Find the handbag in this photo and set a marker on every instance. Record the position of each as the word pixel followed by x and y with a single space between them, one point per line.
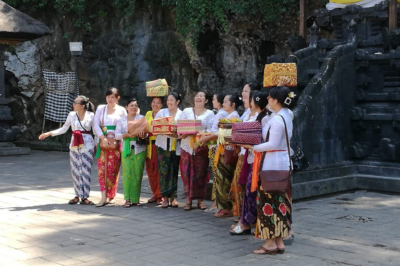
pixel 111 144
pixel 276 181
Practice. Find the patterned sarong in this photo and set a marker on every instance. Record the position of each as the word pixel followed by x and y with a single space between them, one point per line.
pixel 168 168
pixel 194 171
pixel 113 165
pixel 81 169
pixel 132 174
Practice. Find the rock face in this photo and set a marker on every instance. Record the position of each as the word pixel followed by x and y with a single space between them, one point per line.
pixel 125 53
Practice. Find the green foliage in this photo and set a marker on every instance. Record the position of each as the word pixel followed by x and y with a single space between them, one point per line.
pixel 191 15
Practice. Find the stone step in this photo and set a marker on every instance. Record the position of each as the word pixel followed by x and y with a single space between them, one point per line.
pixel 9 149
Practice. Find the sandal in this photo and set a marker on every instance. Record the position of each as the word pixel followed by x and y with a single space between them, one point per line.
pixel 174 204
pixel 266 251
pixel 74 201
pixel 164 205
pixel 187 207
pixel 136 204
pixel 223 214
pixel 152 200
pixel 201 206
pixel 239 231
pixel 86 202
pixel 127 204
pixel 160 201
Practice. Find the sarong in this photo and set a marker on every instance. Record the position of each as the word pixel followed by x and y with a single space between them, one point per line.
pixel 152 172
pixel 113 165
pixel 249 205
pixel 211 155
pixel 271 215
pixel 132 175
pixel 194 170
pixel 168 168
pixel 223 180
pixel 81 169
pixel 236 189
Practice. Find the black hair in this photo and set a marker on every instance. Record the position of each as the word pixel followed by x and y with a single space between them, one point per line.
pixel 254 86
pixel 132 100
pixel 161 98
pixel 89 106
pixel 112 91
pixel 206 95
pixel 221 97
pixel 234 98
pixel 176 96
pixel 281 94
pixel 261 100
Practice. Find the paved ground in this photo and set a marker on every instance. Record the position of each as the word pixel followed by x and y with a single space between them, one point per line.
pixel 37 227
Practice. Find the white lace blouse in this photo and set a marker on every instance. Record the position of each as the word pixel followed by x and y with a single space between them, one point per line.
pixel 122 128
pixel 161 140
pixel 73 122
pixel 205 119
pixel 109 120
pixel 214 121
pixel 277 160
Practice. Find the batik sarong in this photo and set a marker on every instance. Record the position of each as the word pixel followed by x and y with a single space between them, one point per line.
pixel 223 180
pixel 249 205
pixel 236 189
pixel 109 181
pixel 211 155
pixel 152 172
pixel 194 170
pixel 168 168
pixel 271 215
pixel 132 175
pixel 81 169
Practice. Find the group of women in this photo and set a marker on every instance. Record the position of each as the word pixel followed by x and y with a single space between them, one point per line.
pixel 236 189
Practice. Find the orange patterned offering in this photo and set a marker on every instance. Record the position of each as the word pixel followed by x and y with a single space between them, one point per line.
pixel 273 72
pixel 157 88
pixel 163 126
pixel 205 134
pixel 188 126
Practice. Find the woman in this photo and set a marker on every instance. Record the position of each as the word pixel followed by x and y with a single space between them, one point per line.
pixel 108 162
pixel 194 159
pixel 168 154
pixel 218 100
pixel 236 189
pixel 272 207
pixel 248 215
pixel 81 147
pixel 151 158
pixel 133 155
pixel 225 172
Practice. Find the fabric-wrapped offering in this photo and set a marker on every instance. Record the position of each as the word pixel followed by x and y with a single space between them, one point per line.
pixel 188 126
pixel 157 88
pixel 247 133
pixel 138 126
pixel 205 134
pixel 163 126
pixel 273 72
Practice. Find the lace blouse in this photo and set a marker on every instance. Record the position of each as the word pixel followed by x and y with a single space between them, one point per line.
pixel 109 120
pixel 277 160
pixel 122 128
pixel 213 123
pixel 73 122
pixel 205 119
pixel 161 140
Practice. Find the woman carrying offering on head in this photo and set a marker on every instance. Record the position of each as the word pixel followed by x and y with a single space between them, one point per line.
pixel 194 158
pixel 81 147
pixel 168 154
pixel 272 209
pixel 151 158
pixel 108 161
pixel 133 155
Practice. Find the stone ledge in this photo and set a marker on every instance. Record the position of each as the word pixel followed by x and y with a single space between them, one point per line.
pixel 43 145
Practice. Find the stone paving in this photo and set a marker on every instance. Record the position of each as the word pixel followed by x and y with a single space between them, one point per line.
pixel 38 227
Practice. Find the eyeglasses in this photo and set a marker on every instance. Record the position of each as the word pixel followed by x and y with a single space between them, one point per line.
pixel 76 103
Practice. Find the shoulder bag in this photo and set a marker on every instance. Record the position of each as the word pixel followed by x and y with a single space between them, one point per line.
pixel 276 181
pixel 111 144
